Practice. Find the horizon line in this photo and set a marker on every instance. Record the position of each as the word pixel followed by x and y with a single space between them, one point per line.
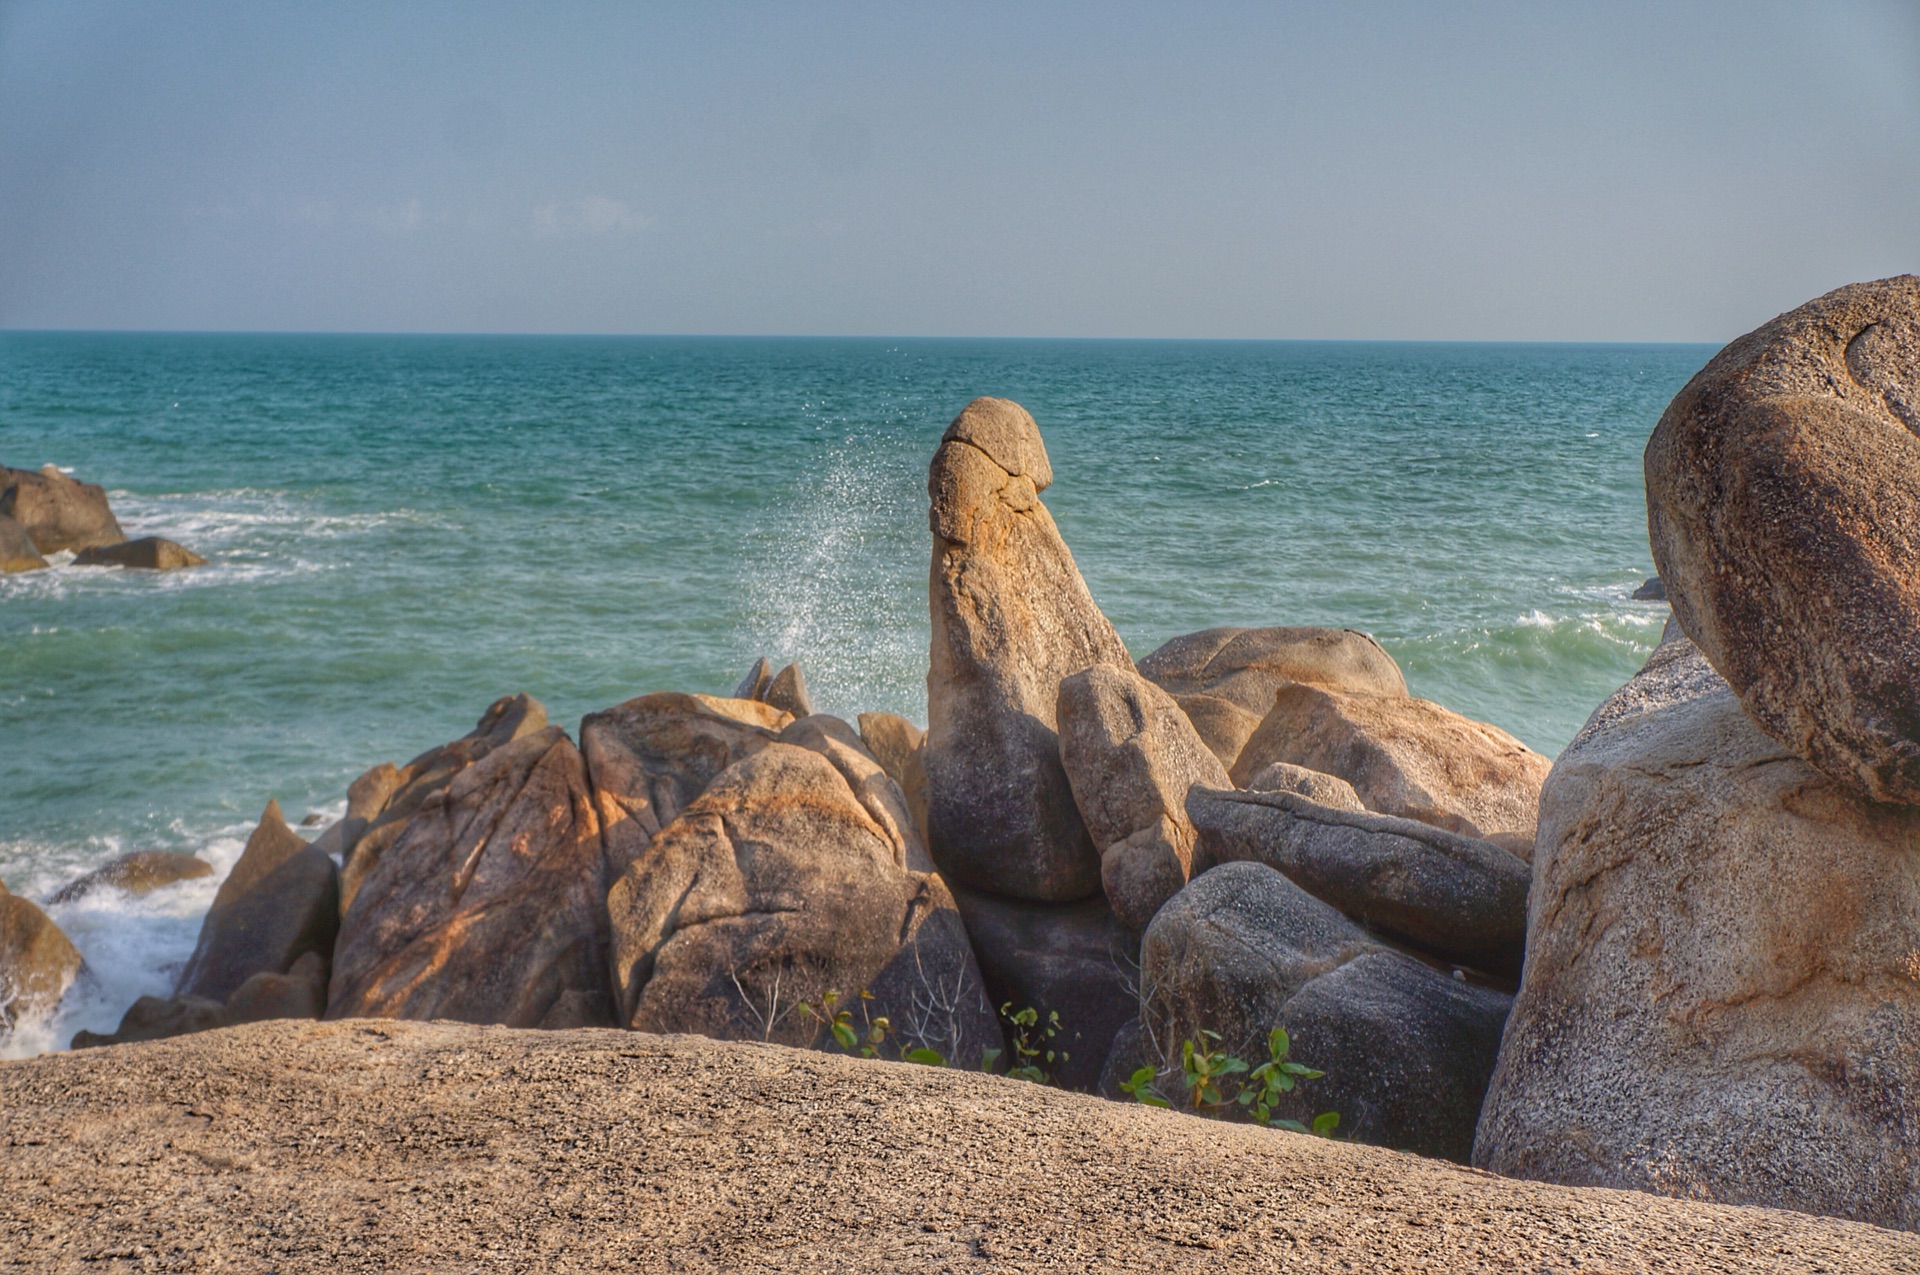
pixel 829 336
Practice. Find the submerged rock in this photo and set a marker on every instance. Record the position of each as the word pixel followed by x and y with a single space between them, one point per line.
pixel 1783 505
pixel 1011 617
pixel 149 553
pixel 1131 756
pixel 1721 998
pixel 1456 897
pixel 1406 757
pixel 1406 1050
pixel 1654 590
pixel 17 552
pixel 280 901
pixel 490 907
pixel 777 885
pixel 1246 666
pixel 138 873
pixel 58 512
pixel 37 962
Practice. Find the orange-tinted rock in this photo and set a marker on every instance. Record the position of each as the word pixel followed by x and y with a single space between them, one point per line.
pixel 1406 757
pixel 1011 618
pixel 149 553
pixel 37 962
pixel 138 873
pixel 776 886
pixel 56 511
pixel 489 908
pixel 1246 666
pixel 17 552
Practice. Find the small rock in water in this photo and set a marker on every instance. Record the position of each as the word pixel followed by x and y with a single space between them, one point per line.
pixel 1654 590
pixel 149 553
pixel 754 684
pixel 36 961
pixel 136 873
pixel 788 692
pixel 58 512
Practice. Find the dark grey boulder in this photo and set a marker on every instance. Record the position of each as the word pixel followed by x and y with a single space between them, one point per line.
pixel 1457 897
pixel 281 901
pixel 1075 959
pixel 1407 1050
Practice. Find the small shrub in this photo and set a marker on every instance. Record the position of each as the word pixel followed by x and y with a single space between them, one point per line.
pixel 1033 1057
pixel 1212 1087
pixel 864 1040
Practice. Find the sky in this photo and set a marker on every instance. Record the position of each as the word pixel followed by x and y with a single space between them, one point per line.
pixel 1465 171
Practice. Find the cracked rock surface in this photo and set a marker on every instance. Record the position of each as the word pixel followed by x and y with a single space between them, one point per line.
pixel 363 1146
pixel 1722 986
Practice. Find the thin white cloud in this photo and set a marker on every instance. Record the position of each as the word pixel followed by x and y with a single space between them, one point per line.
pixel 596 216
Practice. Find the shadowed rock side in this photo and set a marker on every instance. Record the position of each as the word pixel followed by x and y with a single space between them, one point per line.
pixel 17 551
pixel 1246 666
pixel 1783 505
pixel 1453 896
pixel 388 796
pixel 1722 988
pixel 899 746
pixel 1407 1050
pixel 1223 726
pixel 651 756
pixel 1073 959
pixel 37 962
pixel 56 511
pixel 1406 757
pixel 1131 756
pixel 1011 617
pixel 280 901
pixel 349 1147
pixel 490 907
pixel 777 885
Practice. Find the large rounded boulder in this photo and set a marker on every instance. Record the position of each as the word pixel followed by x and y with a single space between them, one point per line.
pixel 58 512
pixel 788 878
pixel 1783 505
pixel 1246 666
pixel 1722 989
pixel 1011 617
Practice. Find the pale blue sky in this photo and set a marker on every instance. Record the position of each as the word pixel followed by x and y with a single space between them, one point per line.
pixel 1538 171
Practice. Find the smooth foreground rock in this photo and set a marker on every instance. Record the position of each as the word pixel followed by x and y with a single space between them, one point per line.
pixel 56 511
pixel 1456 897
pixel 389 796
pixel 1722 988
pixel 788 878
pixel 1246 666
pixel 1011 618
pixel 1407 757
pixel 1131 756
pixel 1073 959
pixel 345 1147
pixel 17 551
pixel 37 962
pixel 280 901
pixel 140 872
pixel 1783 505
pixel 149 553
pixel 1407 1050
pixel 490 906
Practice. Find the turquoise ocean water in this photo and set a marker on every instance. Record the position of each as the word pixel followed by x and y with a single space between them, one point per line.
pixel 401 529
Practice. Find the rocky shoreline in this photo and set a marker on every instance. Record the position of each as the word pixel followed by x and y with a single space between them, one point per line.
pixel 1249 876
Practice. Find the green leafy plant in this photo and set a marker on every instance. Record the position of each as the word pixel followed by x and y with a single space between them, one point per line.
pixel 1212 1084
pixel 839 1022
pixel 1033 1055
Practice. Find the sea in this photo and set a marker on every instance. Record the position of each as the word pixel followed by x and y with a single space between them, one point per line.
pixel 401 529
